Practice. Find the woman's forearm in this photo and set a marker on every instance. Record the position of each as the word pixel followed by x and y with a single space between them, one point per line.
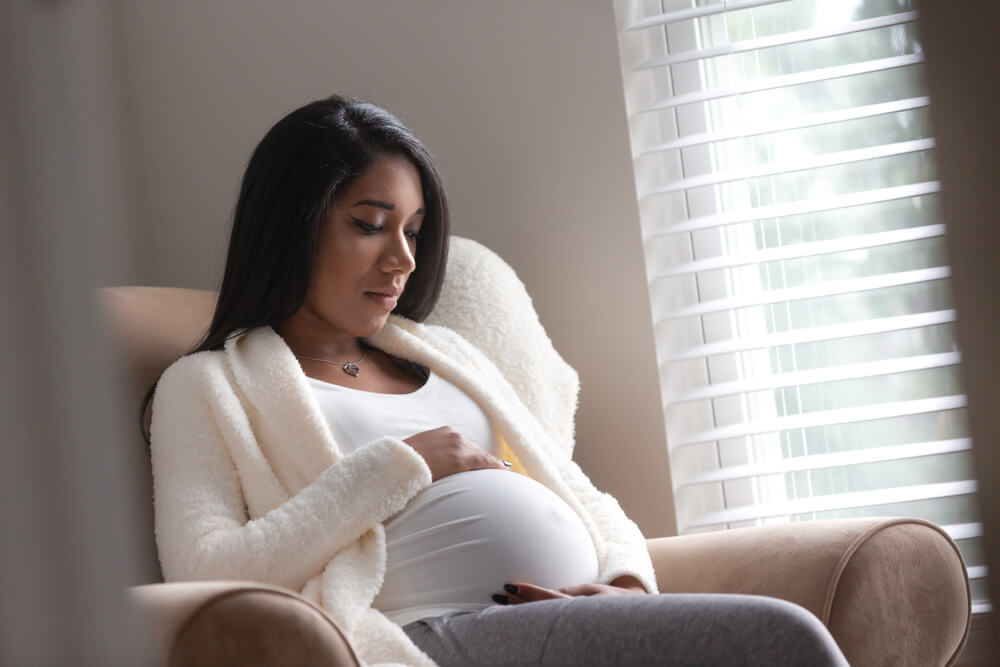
pixel 629 582
pixel 203 529
pixel 203 534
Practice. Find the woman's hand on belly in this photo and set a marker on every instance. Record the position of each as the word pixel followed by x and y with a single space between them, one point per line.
pixel 520 593
pixel 446 452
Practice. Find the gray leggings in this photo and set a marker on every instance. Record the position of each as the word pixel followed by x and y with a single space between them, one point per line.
pixel 730 630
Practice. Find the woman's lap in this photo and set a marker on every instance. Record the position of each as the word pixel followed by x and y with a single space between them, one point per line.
pixel 631 629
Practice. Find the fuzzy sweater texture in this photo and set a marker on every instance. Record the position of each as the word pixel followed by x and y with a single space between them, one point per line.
pixel 250 485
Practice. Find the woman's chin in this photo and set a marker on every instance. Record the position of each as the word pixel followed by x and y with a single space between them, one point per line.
pixel 372 327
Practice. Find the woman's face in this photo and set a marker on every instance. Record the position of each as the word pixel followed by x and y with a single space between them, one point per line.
pixel 367 248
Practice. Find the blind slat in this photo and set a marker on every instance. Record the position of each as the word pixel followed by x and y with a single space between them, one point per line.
pixel 839 501
pixel 800 207
pixel 787 80
pixel 771 41
pixel 836 159
pixel 810 120
pixel 820 375
pixel 818 418
pixel 697 12
pixel 977 572
pixel 800 250
pixel 810 291
pixel 813 334
pixel 833 460
pixel 964 531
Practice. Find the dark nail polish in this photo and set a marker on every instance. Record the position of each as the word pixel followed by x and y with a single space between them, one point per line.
pixel 510 588
pixel 501 599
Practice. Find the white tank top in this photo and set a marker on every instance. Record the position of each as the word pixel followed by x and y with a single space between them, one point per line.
pixel 358 417
pixel 460 540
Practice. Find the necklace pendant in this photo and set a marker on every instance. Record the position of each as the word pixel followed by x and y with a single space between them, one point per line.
pixel 352 369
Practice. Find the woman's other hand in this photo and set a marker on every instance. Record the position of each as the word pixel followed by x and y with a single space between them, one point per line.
pixel 447 452
pixel 519 593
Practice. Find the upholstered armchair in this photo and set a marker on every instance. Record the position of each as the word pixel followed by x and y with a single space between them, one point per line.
pixel 891 591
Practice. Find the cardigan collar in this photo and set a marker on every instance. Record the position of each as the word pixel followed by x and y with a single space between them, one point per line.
pixel 286 412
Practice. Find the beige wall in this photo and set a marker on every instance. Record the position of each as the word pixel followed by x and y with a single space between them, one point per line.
pixel 520 100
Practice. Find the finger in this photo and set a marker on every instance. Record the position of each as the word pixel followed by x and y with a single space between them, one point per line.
pixel 488 462
pixel 499 464
pixel 582 590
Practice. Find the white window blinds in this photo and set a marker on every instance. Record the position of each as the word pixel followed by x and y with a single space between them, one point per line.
pixel 784 164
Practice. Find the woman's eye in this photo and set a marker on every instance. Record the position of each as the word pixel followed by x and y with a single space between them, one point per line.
pixel 413 234
pixel 366 227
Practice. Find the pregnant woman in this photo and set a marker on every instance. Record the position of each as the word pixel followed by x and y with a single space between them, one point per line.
pixel 322 438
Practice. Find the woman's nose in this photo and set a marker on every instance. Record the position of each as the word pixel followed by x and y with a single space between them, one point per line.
pixel 398 256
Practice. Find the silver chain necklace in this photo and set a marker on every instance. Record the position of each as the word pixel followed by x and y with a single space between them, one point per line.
pixel 351 367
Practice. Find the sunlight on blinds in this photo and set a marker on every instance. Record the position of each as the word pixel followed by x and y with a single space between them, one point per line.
pixel 784 164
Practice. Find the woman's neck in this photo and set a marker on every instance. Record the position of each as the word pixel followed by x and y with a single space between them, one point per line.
pixel 324 342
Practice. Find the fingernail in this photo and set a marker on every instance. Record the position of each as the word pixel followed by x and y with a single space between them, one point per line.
pixel 510 588
pixel 500 599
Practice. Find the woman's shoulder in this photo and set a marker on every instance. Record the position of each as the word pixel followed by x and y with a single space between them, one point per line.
pixel 217 367
pixel 193 367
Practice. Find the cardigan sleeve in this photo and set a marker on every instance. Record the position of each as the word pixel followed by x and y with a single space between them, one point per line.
pixel 202 525
pixel 625 547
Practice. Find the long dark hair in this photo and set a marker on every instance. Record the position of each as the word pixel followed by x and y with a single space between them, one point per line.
pixel 290 182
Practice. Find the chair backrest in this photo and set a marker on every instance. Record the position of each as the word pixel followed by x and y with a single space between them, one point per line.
pixel 482 299
pixel 150 328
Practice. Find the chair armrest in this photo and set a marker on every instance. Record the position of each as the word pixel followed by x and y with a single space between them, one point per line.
pixel 230 623
pixel 891 591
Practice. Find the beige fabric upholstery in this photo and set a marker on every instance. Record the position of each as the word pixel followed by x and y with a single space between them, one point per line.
pixel 150 328
pixel 208 624
pixel 892 591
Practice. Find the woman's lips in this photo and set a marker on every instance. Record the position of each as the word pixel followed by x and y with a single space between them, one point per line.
pixel 387 301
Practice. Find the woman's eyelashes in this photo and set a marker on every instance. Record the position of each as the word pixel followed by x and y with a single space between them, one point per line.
pixel 366 227
pixel 369 228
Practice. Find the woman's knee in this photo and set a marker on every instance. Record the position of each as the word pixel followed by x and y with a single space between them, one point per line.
pixel 794 633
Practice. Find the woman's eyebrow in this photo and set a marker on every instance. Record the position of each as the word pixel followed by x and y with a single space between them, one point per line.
pixel 375 202
pixel 383 204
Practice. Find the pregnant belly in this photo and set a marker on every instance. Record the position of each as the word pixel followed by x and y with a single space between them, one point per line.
pixel 458 541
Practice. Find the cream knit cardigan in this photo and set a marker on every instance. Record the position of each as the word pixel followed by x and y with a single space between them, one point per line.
pixel 249 483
